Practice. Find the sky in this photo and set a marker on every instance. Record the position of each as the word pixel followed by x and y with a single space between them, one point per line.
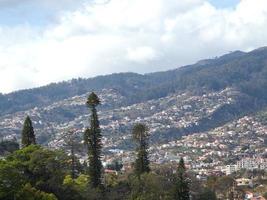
pixel 44 41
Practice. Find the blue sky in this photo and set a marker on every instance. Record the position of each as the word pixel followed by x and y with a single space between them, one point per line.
pixel 224 3
pixel 86 38
pixel 36 13
pixel 39 14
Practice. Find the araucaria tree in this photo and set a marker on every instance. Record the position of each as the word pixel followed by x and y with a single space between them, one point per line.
pixel 92 138
pixel 72 144
pixel 181 184
pixel 141 136
pixel 27 136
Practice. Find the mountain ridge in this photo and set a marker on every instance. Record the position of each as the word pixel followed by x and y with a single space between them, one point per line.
pixel 132 84
pixel 183 101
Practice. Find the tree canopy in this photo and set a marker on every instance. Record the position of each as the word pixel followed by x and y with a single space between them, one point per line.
pixel 27 136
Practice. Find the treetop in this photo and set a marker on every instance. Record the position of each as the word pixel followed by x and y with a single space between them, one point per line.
pixel 93 100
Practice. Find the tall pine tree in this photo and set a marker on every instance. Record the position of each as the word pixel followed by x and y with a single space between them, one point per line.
pixel 181 184
pixel 140 135
pixel 92 139
pixel 27 136
pixel 72 145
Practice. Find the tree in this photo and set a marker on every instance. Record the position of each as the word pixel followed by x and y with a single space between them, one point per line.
pixel 30 193
pixel 80 182
pixel 72 145
pixel 34 172
pixel 207 194
pixel 8 146
pixel 181 191
pixel 92 139
pixel 140 135
pixel 28 136
pixel 212 182
pixel 47 170
pixel 11 179
pixel 43 168
pixel 154 187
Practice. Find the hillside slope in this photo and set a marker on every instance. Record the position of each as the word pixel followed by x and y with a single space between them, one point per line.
pixel 244 71
pixel 178 102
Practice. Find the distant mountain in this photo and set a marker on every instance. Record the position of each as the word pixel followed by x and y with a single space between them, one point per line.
pixel 203 96
pixel 245 71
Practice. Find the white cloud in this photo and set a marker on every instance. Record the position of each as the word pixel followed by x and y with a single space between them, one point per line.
pixel 126 35
pixel 141 54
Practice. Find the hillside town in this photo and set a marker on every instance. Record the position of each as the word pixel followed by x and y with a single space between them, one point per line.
pixel 226 149
pixel 210 150
pixel 233 149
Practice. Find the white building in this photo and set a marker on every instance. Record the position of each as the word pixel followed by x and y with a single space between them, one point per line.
pixel 229 169
pixel 252 163
pixel 244 182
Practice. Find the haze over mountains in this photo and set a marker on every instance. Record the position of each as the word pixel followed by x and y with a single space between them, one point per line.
pixel 186 100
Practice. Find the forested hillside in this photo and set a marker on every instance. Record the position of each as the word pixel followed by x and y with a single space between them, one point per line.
pixel 244 71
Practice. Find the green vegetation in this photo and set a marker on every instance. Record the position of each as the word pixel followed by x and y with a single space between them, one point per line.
pixel 140 135
pixel 220 185
pixel 30 193
pixel 32 169
pixel 34 172
pixel 181 183
pixel 27 136
pixel 92 139
pixel 73 146
pixel 207 194
pixel 7 147
pixel 38 173
pixel 149 186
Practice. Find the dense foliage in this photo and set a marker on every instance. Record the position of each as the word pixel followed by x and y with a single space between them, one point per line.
pixel 140 135
pixel 8 146
pixel 36 173
pixel 32 169
pixel 181 183
pixel 92 138
pixel 27 135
